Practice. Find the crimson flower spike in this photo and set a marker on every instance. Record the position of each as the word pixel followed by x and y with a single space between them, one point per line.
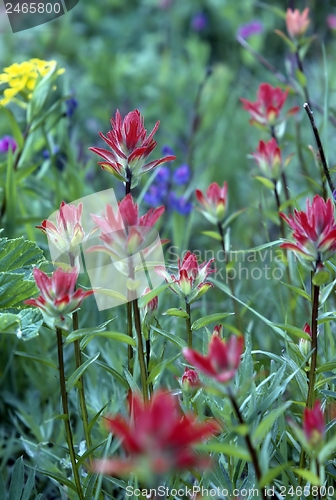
pixel 130 146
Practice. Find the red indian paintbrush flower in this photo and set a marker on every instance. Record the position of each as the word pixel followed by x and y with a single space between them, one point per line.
pixel 68 234
pixel 190 283
pixel 157 438
pixel 268 158
pixel 297 22
pixel 124 232
pixel 313 424
pixel 130 147
pixel 222 360
pixel 214 201
pixel 267 109
pixel 314 230
pixel 59 297
pixel 190 378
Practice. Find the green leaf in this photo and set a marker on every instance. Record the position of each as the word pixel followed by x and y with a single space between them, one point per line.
pixel 40 94
pixel 309 476
pixel 79 372
pixel 297 332
pixel 9 323
pixel 29 486
pixel 16 132
pixel 327 450
pixel 82 332
pixel 174 311
pixel 19 254
pixel 43 360
pixel 114 374
pixel 14 289
pixel 331 365
pixel 59 478
pixel 16 484
pixel 266 182
pixel 31 322
pixel 2 484
pixel 272 474
pixel 160 367
pixel 143 301
pixel 231 450
pixel 232 217
pixel 119 337
pixel 298 291
pixel 267 422
pixel 212 318
pixel 170 336
pixel 212 234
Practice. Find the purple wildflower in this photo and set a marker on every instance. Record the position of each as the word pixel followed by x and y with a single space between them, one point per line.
pixel 182 175
pixel 71 105
pixel 199 21
pixel 331 21
pixel 252 28
pixel 179 204
pixel 167 150
pixel 155 195
pixel 6 143
pixel 162 176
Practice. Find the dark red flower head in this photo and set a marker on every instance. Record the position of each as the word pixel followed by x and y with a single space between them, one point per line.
pixel 157 436
pixel 314 230
pixel 267 109
pixel 130 147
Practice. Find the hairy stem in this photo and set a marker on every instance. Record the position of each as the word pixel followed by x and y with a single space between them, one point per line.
pixel 188 325
pixel 80 385
pixel 320 147
pixel 67 425
pixel 249 444
pixel 142 364
pixel 313 362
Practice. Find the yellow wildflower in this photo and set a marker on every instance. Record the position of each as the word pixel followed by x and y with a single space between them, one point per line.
pixel 22 78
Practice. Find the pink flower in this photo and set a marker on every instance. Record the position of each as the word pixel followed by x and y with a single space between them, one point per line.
pixel 130 147
pixel 152 306
pixel 214 201
pixel 313 424
pixel 68 234
pixel 297 22
pixel 314 230
pixel 190 283
pixel 267 109
pixel 222 360
pixel 331 21
pixel 124 232
pixel 190 378
pixel 156 437
pixel 59 296
pixel 268 158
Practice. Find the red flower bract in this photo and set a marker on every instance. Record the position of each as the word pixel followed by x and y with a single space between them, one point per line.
pixel 124 232
pixel 267 109
pixel 59 297
pixel 156 436
pixel 314 230
pixel 297 22
pixel 190 284
pixel 222 360
pixel 130 146
pixel 313 423
pixel 214 201
pixel 268 158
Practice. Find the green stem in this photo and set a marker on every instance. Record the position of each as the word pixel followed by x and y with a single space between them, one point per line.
pixel 231 282
pixel 81 390
pixel 64 396
pixel 313 363
pixel 278 204
pixel 142 364
pixel 320 147
pixel 312 372
pixel 188 325
pixel 252 451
